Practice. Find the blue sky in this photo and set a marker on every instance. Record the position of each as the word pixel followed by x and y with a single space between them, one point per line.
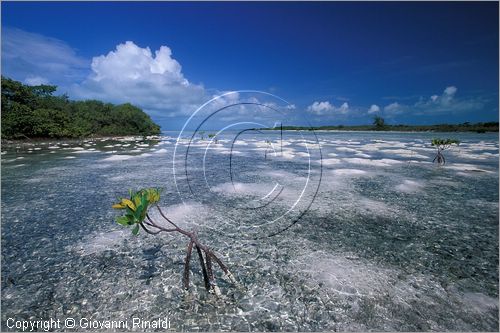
pixel 337 63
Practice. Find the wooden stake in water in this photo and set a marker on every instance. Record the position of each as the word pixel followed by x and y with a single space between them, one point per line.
pixel 281 138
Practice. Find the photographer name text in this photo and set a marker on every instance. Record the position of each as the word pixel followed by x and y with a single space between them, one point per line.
pixel 86 323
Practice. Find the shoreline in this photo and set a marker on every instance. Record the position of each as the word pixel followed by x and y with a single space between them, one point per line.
pixel 371 131
pixel 48 141
pixel 42 141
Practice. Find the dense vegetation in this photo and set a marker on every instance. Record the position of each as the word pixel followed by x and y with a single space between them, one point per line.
pixel 380 125
pixel 34 112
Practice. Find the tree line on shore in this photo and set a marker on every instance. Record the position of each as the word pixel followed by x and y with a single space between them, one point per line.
pixel 34 112
pixel 379 124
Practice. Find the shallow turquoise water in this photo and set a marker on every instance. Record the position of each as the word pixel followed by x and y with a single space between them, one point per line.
pixel 385 241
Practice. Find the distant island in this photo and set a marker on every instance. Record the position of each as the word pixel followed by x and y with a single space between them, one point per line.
pixel 33 112
pixel 380 125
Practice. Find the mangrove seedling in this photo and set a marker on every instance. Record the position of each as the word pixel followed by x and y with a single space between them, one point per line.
pixel 211 135
pixel 441 145
pixel 137 216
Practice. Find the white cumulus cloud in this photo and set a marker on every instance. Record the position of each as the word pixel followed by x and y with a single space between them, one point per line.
pixel 445 103
pixel 374 108
pixel 321 108
pixel 343 108
pixel 154 81
pixel 450 91
pixel 448 102
pixel 131 62
pixel 394 108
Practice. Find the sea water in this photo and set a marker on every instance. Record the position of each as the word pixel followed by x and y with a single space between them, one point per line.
pixel 331 231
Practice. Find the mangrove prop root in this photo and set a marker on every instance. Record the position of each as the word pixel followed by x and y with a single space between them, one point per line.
pixel 205 255
pixel 439 158
pixel 203 269
pixel 186 265
pixel 441 146
pixel 211 278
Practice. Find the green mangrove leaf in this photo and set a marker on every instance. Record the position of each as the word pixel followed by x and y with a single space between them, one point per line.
pixel 123 220
pixel 130 219
pixel 135 231
pixel 137 199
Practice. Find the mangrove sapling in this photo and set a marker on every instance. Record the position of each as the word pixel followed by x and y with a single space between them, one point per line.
pixel 202 135
pixel 441 145
pixel 137 215
pixel 211 135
